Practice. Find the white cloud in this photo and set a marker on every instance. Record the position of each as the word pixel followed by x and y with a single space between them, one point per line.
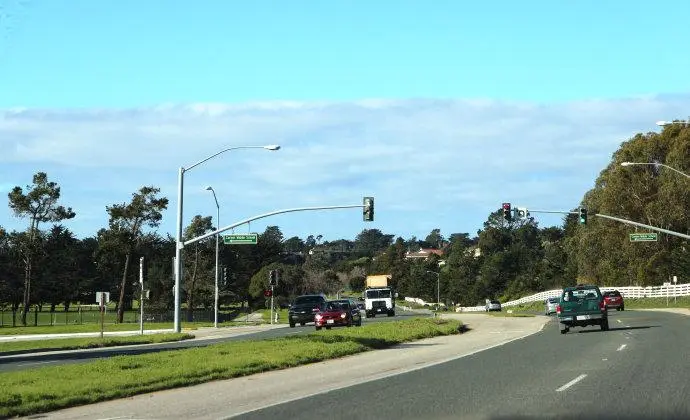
pixel 429 163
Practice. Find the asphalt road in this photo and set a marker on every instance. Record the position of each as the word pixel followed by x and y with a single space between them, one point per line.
pixel 34 360
pixel 637 369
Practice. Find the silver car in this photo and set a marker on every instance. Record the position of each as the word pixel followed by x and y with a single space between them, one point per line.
pixel 492 305
pixel 551 304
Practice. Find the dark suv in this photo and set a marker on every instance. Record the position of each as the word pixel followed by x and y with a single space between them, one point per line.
pixel 304 308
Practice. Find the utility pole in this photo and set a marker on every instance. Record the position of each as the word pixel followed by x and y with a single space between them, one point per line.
pixel 141 299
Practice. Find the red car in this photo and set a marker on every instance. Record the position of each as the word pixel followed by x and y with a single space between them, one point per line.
pixel 338 313
pixel 614 300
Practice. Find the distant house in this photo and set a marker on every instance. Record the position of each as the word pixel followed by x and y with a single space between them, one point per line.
pixel 423 253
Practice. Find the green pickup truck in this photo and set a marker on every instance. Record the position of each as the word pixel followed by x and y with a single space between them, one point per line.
pixel 581 306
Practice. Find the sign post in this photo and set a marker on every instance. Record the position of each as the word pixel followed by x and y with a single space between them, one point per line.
pixel 667 284
pixel 101 299
pixel 675 290
pixel 644 237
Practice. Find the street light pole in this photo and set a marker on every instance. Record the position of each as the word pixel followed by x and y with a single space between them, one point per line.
pixel 215 304
pixel 655 164
pixel 179 244
pixel 665 123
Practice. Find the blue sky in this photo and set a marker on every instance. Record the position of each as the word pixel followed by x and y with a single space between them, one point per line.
pixel 441 110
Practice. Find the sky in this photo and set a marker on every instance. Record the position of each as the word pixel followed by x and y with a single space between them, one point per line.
pixel 440 110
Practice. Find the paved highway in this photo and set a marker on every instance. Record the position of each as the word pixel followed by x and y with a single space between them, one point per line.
pixel 638 369
pixel 13 362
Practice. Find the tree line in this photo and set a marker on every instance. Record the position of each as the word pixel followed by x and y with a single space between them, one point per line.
pixel 46 265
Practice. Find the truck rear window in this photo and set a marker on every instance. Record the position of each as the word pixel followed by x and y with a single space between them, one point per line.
pixel 378 294
pixel 580 294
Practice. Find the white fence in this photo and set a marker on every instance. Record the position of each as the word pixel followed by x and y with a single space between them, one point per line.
pixel 630 292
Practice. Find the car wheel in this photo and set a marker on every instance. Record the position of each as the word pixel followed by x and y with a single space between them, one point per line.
pixel 605 325
pixel 563 331
pixel 623 308
pixel 318 328
pixel 292 325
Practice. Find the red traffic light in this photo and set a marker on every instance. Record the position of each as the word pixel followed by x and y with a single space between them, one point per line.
pixel 506 206
pixel 268 293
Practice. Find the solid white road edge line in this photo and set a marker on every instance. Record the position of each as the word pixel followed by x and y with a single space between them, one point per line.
pixel 571 383
pixel 622 347
pixel 385 375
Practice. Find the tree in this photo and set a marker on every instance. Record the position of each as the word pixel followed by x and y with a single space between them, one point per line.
pixel 128 220
pixel 199 226
pixel 39 205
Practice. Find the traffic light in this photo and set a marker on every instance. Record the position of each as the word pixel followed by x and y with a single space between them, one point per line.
pixel 583 216
pixel 368 209
pixel 273 278
pixel 225 276
pixel 506 212
pixel 522 212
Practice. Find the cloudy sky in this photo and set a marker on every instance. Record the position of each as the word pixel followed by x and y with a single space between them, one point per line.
pixel 440 113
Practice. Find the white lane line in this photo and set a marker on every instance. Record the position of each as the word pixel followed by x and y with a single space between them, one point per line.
pixel 622 347
pixel 627 326
pixel 604 359
pixel 37 363
pixel 571 383
pixel 619 320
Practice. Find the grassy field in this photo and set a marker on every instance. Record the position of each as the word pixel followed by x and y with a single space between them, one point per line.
pixel 54 387
pixel 88 342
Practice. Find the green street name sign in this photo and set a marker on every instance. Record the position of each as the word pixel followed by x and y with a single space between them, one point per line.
pixel 643 237
pixel 248 239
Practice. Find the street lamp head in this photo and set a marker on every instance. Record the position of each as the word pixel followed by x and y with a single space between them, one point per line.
pixel 662 123
pixel 209 188
pixel 272 147
pixel 626 163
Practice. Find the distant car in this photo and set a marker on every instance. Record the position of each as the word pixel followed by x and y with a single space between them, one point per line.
pixel 492 305
pixel 614 300
pixel 551 304
pixel 338 313
pixel 304 307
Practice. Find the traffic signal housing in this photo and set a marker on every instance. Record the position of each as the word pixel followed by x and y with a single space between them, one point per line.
pixel 273 278
pixel 368 212
pixel 506 212
pixel 583 216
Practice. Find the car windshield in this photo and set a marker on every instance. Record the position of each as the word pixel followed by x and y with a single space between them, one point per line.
pixel 579 294
pixel 303 300
pixel 612 294
pixel 495 302
pixel 378 294
pixel 336 306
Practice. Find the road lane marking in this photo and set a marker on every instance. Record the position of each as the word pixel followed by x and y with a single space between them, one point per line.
pixel 622 347
pixel 571 383
pixel 604 359
pixel 619 320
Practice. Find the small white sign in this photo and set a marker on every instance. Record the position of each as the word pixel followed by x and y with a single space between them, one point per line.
pixel 106 297
pixel 675 279
pixel 667 283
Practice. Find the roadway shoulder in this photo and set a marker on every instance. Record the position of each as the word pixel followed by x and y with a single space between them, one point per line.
pixel 225 398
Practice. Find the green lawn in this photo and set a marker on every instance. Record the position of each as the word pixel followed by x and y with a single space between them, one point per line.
pixel 89 342
pixel 54 387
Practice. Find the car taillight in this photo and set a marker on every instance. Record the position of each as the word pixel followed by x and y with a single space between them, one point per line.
pixel 318 316
pixel 315 310
pixel 558 309
pixel 602 306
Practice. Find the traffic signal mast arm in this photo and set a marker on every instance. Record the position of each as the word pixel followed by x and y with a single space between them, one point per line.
pixel 261 216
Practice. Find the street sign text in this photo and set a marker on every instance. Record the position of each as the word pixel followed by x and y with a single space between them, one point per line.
pixel 235 239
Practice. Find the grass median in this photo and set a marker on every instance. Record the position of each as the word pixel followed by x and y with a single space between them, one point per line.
pixel 55 344
pixel 50 388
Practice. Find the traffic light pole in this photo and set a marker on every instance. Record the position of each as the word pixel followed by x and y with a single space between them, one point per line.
pixel 261 216
pixel 271 304
pixel 630 222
